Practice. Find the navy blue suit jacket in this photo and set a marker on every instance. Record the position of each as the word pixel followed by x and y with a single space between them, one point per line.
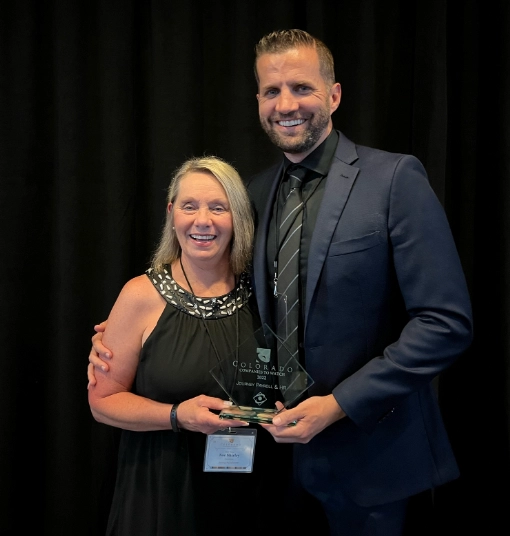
pixel 387 309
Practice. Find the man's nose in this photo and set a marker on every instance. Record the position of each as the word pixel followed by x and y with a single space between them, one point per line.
pixel 287 102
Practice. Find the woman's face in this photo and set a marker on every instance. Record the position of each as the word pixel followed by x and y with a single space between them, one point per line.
pixel 202 219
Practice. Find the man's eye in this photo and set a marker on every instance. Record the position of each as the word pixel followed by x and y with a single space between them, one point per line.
pixel 271 92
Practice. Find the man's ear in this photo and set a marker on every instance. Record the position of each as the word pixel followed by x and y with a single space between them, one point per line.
pixel 335 95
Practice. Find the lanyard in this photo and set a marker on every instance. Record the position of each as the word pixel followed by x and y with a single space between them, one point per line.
pixel 203 316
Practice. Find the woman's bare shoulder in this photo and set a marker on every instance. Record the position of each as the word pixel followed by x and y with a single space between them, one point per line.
pixel 139 293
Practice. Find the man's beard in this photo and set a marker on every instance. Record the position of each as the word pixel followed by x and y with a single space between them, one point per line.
pixel 305 141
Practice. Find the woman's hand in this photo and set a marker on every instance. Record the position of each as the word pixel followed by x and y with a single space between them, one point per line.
pixel 200 414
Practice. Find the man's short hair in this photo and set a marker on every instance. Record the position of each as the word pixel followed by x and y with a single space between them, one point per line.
pixel 284 40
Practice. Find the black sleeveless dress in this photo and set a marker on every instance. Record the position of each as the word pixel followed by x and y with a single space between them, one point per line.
pixel 161 488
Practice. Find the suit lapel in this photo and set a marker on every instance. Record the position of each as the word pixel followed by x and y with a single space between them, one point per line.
pixel 271 182
pixel 339 183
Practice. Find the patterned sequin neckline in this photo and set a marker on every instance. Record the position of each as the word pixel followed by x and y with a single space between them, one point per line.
pixel 217 307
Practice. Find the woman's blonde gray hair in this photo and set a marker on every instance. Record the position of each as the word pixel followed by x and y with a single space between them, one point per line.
pixel 169 249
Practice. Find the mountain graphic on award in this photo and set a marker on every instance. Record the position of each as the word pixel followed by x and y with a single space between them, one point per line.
pixel 261 372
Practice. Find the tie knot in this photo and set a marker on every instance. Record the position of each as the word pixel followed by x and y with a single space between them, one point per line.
pixel 296 175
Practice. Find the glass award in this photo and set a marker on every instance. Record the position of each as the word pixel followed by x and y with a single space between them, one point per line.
pixel 261 372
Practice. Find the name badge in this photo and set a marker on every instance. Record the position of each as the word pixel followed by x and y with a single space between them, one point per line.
pixel 230 451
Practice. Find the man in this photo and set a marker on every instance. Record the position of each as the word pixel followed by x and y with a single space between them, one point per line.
pixel 383 304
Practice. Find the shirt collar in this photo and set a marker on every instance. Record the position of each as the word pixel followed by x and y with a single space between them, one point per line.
pixel 319 160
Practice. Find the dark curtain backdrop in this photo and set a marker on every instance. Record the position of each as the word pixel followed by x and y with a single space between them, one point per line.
pixel 101 100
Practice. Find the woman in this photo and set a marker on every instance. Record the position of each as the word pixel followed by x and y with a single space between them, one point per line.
pixel 167 330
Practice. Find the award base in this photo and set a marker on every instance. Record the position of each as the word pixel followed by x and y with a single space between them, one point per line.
pixel 253 415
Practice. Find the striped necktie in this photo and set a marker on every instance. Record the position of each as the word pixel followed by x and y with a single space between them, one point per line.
pixel 289 236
